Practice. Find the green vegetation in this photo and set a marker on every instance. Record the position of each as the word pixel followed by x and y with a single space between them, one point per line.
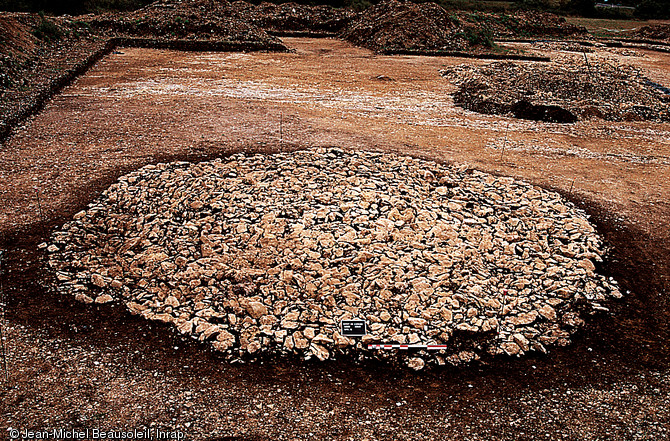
pixel 74 7
pixel 82 24
pixel 358 5
pixel 479 37
pixel 47 30
pixel 606 28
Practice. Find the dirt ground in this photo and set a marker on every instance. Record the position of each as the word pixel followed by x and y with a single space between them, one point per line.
pixel 94 366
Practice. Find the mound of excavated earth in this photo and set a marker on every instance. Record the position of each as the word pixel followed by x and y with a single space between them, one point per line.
pixel 393 25
pixel 524 24
pixel 292 16
pixel 559 92
pixel 191 19
pixel 266 254
pixel 654 32
pixel 223 20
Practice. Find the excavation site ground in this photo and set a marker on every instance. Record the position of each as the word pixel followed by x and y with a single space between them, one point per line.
pixel 145 106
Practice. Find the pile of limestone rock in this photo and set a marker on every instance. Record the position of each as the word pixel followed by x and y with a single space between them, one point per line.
pixel 265 255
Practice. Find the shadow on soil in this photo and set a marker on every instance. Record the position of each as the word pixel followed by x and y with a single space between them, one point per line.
pixel 633 340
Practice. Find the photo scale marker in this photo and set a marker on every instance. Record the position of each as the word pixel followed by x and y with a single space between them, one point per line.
pixel 406 347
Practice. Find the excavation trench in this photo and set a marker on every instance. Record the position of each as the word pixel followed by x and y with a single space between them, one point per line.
pixel 145 106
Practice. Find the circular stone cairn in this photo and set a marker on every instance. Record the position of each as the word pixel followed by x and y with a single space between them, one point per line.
pixel 264 255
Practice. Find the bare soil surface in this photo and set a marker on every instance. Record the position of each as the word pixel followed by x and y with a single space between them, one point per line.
pixel 71 364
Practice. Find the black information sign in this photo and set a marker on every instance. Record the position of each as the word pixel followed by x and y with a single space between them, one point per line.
pixel 353 328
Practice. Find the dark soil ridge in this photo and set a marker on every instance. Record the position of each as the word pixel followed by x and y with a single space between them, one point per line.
pixel 545 40
pixel 59 83
pixel 303 34
pixel 642 41
pixel 204 17
pixel 650 45
pixel 635 336
pixel 438 53
pixel 199 45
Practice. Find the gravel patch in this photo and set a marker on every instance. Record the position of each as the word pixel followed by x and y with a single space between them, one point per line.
pixel 266 254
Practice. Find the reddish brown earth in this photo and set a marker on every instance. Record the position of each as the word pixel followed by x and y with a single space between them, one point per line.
pixel 71 364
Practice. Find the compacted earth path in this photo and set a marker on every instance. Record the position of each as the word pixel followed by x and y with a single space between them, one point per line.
pixel 96 365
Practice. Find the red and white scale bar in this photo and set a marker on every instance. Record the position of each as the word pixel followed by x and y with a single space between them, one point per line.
pixel 406 347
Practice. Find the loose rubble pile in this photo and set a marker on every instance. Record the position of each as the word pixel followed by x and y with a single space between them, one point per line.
pixel 525 24
pixel 292 16
pixel 559 92
pixel 393 25
pixel 223 20
pixel 193 19
pixel 266 254
pixel 654 32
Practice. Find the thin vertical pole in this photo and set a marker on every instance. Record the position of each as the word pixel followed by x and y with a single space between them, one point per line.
pixel 502 154
pixel 39 206
pixel 570 191
pixel 2 320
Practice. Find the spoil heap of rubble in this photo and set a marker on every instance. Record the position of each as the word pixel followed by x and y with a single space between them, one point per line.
pixel 654 32
pixel 559 92
pixel 292 16
pixel 190 20
pixel 266 254
pixel 394 25
pixel 524 24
